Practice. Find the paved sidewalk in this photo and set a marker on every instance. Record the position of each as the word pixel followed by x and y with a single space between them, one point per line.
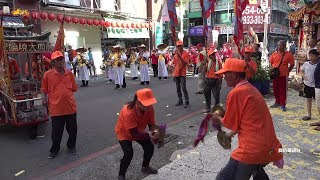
pixel 206 160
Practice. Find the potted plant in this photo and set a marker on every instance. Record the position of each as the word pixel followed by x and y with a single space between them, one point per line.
pixel 261 79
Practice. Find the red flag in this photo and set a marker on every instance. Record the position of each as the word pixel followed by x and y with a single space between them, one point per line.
pixel 239 7
pixel 59 46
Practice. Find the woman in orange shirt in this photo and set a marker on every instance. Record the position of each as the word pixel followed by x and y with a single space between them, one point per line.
pixel 132 122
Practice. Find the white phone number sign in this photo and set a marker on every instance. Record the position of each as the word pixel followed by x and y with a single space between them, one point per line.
pixel 253 15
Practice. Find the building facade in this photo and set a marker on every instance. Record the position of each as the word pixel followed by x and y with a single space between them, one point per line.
pixel 222 20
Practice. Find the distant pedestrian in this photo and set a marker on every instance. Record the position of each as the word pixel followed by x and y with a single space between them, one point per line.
pixel 308 71
pixel 91 63
pixel 181 61
pixel 248 116
pixel 58 85
pixel 285 61
pixel 317 88
pixel 251 67
pixel 154 63
pixel 132 122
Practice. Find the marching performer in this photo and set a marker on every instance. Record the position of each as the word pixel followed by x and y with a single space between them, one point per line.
pixel 251 67
pixel 134 64
pixel 212 81
pixel 118 62
pixel 162 68
pixel 258 143
pixel 144 67
pixel 82 67
pixel 109 68
pixel 201 68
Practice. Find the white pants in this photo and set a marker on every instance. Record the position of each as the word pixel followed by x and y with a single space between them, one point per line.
pixel 144 72
pixel 134 70
pixel 162 69
pixel 110 72
pixel 119 74
pixel 84 73
pixel 317 92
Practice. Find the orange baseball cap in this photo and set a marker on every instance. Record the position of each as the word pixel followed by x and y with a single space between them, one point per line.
pixel 56 54
pixel 145 96
pixel 233 65
pixel 211 51
pixel 179 43
pixel 249 49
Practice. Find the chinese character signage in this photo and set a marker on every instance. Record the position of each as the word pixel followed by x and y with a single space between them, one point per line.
pixel 159 33
pixel 26 46
pixel 198 30
pixel 253 15
pixel 127 33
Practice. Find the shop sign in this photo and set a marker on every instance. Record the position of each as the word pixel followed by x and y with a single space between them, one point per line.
pixel 65 2
pixel 198 30
pixel 278 29
pixel 224 29
pixel 128 33
pixel 159 33
pixel 26 46
pixel 253 15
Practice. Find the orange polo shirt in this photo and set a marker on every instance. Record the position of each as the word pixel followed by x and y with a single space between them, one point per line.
pixel 60 89
pixel 288 59
pixel 258 143
pixel 212 70
pixel 133 118
pixel 180 69
pixel 254 67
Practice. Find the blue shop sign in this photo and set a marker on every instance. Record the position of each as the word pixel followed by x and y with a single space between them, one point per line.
pixel 197 30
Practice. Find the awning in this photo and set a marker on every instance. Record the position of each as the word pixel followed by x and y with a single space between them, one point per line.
pixel 298 15
pixel 121 33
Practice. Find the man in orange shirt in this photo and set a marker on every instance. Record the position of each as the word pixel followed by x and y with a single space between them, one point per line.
pixel 180 61
pixel 251 65
pixel 212 81
pixel 132 122
pixel 258 144
pixel 280 84
pixel 59 85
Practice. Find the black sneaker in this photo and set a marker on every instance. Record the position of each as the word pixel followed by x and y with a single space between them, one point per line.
pixel 180 103
pixel 121 177
pixel 186 105
pixel 275 105
pixel 149 170
pixel 52 155
pixel 73 151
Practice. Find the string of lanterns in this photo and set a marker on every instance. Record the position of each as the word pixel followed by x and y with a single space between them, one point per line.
pixel 84 21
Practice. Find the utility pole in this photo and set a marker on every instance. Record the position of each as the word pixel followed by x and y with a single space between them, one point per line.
pixel 228 21
pixel 149 18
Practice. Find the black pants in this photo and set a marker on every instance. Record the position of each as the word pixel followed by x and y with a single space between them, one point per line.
pixel 181 82
pixel 195 69
pixel 235 170
pixel 155 70
pixel 126 146
pixel 211 85
pixel 57 131
pixel 85 83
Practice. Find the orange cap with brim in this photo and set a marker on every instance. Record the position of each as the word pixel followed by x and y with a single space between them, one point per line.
pixel 56 54
pixel 179 43
pixel 249 49
pixel 211 51
pixel 232 65
pixel 145 96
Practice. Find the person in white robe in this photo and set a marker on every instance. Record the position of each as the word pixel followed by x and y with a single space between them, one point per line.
pixel 134 64
pixel 118 62
pixel 162 67
pixel 83 69
pixel 144 65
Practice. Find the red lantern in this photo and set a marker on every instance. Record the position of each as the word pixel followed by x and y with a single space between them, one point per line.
pixel 68 19
pixel 142 25
pixel 35 15
pixel 101 22
pixel 123 25
pixel 52 16
pixel 60 17
pixel 147 25
pixel 138 25
pixel 96 22
pixel 113 24
pixel 83 21
pixel 44 16
pixel 107 24
pixel 127 25
pixel 75 20
pixel 150 24
pixel 133 25
pixel 118 24
pixel 89 22
pixel 26 16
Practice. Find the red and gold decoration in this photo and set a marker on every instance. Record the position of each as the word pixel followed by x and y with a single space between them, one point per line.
pixel 52 16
